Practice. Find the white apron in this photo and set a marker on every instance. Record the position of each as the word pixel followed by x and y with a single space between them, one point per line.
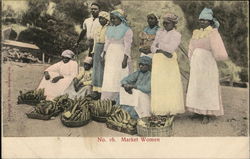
pixel 113 72
pixel 138 99
pixel 203 88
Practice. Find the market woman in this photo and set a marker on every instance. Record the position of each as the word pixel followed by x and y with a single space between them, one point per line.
pixel 99 40
pixel 205 48
pixel 58 77
pixel 166 85
pixel 147 36
pixel 116 55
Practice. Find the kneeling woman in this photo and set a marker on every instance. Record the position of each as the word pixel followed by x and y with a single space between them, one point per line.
pixel 58 77
pixel 136 93
pixel 167 92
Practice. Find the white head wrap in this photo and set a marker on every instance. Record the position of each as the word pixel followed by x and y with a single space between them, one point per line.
pixel 68 53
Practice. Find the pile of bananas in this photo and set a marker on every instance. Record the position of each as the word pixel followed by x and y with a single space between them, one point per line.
pixel 156 121
pixel 122 118
pixel 63 102
pixel 101 108
pixel 34 96
pixel 78 111
pixel 46 107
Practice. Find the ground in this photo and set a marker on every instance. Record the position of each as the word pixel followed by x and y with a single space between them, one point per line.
pixel 20 76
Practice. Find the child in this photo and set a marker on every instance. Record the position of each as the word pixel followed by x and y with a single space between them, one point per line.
pixel 81 85
pixel 137 87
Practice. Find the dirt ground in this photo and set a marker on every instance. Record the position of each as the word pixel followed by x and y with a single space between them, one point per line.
pixel 19 76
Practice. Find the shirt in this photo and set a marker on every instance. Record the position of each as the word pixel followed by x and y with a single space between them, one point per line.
pixel 141 80
pixel 85 77
pixel 100 34
pixel 91 24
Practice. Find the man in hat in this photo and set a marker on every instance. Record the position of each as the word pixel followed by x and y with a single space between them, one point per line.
pixel 135 95
pixel 89 27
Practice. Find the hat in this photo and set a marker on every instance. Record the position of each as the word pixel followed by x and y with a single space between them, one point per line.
pixel 207 14
pixel 67 53
pixel 154 15
pixel 104 15
pixel 171 17
pixel 145 60
pixel 120 14
pixel 88 60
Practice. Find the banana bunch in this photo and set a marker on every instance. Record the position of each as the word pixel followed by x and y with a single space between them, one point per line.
pixel 122 118
pixel 63 102
pixel 101 107
pixel 79 110
pixel 33 95
pixel 46 107
pixel 156 121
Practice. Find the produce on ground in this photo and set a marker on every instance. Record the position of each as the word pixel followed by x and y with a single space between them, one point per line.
pixel 101 108
pixel 122 118
pixel 156 121
pixel 46 107
pixel 78 111
pixel 34 96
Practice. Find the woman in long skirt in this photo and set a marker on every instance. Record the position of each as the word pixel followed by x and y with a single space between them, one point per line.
pixel 166 86
pixel 116 54
pixel 206 46
pixel 98 67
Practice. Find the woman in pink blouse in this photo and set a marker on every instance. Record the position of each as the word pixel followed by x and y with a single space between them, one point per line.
pixel 166 86
pixel 205 48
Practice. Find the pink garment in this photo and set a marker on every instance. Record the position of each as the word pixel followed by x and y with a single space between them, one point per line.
pixel 126 40
pixel 212 43
pixel 166 41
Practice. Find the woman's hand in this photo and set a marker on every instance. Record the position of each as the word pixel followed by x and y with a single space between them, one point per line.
pixel 125 61
pixel 103 58
pixel 46 75
pixel 56 79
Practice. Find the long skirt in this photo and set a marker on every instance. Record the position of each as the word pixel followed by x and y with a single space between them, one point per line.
pixel 98 68
pixel 113 71
pixel 86 90
pixel 139 100
pixel 203 95
pixel 166 86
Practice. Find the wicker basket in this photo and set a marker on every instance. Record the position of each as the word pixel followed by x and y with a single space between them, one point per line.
pixel 101 119
pixel 34 115
pixel 74 123
pixel 120 129
pixel 154 131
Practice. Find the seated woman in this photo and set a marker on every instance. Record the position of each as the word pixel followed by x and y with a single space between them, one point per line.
pixel 81 84
pixel 57 77
pixel 137 88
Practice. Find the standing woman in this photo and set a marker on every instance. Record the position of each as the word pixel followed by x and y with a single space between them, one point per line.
pixel 99 40
pixel 116 55
pixel 166 86
pixel 147 36
pixel 206 46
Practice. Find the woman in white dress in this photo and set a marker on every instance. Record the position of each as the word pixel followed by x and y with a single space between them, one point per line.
pixel 58 77
pixel 116 55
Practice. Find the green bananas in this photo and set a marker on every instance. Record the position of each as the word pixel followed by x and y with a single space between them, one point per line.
pixel 34 96
pixel 101 107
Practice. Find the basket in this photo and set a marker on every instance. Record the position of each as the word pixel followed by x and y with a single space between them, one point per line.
pixel 120 129
pixel 34 115
pixel 154 131
pixel 74 123
pixel 101 119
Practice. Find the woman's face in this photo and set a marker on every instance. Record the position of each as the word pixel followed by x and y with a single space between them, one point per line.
pixel 65 59
pixel 152 21
pixel 115 20
pixel 168 25
pixel 103 21
pixel 143 67
pixel 87 66
pixel 204 23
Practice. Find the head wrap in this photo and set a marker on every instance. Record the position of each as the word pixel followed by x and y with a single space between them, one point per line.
pixel 145 60
pixel 120 14
pixel 171 17
pixel 153 15
pixel 88 60
pixel 105 15
pixel 207 14
pixel 68 53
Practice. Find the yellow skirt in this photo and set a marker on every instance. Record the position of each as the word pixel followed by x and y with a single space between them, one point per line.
pixel 166 86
